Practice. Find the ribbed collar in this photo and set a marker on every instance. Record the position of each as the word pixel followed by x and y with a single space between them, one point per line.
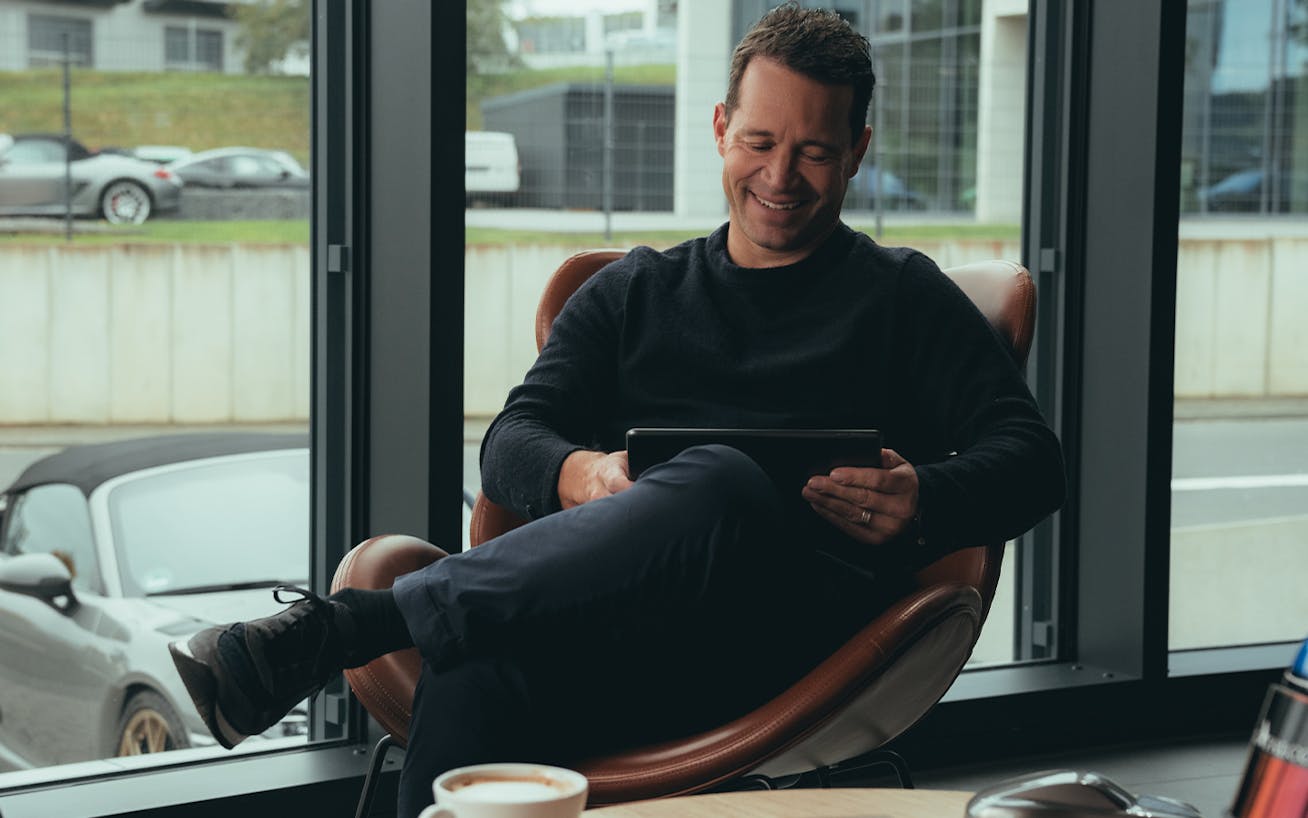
pixel 814 264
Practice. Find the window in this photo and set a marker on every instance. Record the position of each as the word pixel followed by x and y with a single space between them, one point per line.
pixel 663 166
pixel 53 519
pixel 193 49
pixel 161 350
pixel 225 523
pixel 1240 460
pixel 35 151
pixel 51 40
pixel 1103 175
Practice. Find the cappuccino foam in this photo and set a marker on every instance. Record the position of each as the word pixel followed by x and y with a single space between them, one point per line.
pixel 508 789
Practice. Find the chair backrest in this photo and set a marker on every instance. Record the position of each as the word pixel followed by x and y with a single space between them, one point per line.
pixel 1002 290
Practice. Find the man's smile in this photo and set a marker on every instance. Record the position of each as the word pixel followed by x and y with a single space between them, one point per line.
pixel 771 205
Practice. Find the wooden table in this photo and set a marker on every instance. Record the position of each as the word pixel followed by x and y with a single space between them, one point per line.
pixel 831 803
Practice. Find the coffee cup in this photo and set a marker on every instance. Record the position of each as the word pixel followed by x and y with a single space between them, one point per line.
pixel 508 791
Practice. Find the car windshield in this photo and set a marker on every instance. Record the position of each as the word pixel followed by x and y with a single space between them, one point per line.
pixel 213 525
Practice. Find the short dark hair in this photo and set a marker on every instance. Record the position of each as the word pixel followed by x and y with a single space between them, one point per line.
pixel 817 43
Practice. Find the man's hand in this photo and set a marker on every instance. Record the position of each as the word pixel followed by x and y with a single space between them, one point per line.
pixel 871 505
pixel 588 475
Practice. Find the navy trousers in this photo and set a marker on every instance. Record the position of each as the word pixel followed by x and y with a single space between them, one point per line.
pixel 676 605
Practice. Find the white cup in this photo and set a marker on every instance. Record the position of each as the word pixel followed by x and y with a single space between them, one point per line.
pixel 508 791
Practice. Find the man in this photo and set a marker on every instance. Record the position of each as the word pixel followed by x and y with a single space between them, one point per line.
pixel 629 611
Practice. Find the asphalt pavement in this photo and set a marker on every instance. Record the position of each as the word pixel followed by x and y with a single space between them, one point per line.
pixel 1225 469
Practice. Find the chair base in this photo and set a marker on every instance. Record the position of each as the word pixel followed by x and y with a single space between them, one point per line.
pixel 373 776
pixel 821 777
pixel 870 760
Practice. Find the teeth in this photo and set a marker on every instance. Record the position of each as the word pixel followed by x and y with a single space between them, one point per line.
pixel 775 205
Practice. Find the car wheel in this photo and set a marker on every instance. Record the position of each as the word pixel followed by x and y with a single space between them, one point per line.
pixel 149 725
pixel 125 203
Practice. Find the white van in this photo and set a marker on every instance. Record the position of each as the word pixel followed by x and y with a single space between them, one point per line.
pixel 491 170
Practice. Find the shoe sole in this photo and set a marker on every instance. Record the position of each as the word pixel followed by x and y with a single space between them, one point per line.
pixel 193 660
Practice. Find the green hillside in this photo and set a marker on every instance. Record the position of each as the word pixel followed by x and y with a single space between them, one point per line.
pixel 197 111
pixel 201 111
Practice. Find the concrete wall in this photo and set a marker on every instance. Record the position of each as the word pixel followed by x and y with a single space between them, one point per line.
pixel 212 334
pixel 1240 330
pixel 703 56
pixel 1001 112
pixel 154 334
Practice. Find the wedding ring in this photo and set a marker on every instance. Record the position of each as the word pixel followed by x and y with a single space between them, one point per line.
pixel 865 517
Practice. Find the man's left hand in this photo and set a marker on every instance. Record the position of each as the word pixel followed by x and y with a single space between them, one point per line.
pixel 871 505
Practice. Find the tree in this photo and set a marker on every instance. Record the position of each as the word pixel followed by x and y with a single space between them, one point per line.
pixel 487 51
pixel 270 31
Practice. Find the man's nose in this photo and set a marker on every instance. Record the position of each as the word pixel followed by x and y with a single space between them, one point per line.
pixel 780 168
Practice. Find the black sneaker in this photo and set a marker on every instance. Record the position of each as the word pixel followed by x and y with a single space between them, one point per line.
pixel 246 677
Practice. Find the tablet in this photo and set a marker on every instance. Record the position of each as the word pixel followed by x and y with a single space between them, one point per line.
pixel 789 456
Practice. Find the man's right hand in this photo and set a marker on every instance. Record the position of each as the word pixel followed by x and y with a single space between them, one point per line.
pixel 588 475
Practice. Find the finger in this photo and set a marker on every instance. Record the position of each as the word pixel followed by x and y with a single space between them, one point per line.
pixel 891 458
pixel 874 532
pixel 895 499
pixel 837 506
pixel 615 477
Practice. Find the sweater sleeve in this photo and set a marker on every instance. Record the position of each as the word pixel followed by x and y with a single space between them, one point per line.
pixel 1000 469
pixel 556 409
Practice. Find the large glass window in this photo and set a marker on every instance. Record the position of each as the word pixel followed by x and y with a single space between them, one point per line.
pixel 1240 466
pixel 613 147
pixel 154 403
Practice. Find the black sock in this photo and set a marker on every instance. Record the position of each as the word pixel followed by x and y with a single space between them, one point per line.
pixel 378 625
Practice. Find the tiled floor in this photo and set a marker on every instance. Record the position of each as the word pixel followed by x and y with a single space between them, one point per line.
pixel 1204 774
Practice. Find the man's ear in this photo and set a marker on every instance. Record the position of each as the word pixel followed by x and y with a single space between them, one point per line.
pixel 720 127
pixel 860 148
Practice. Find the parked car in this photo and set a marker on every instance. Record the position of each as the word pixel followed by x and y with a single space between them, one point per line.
pixel 110 551
pixel 492 172
pixel 231 168
pixel 161 154
pixel 866 184
pixel 122 189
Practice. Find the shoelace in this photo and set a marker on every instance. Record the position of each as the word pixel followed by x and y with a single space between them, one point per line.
pixel 304 593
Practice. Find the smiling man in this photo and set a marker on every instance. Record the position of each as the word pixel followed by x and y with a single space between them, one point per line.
pixel 630 611
pixel 789 149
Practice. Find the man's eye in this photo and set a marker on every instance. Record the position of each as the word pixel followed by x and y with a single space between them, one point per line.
pixel 760 147
pixel 819 158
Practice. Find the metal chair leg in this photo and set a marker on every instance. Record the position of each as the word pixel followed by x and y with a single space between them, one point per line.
pixel 373 776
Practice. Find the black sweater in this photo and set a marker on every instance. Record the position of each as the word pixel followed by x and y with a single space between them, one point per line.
pixel 855 335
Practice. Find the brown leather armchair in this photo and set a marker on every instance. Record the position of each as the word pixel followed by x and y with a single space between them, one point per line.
pixel 877 685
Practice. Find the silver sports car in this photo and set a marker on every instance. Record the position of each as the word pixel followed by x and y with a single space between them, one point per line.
pixel 110 551
pixel 122 189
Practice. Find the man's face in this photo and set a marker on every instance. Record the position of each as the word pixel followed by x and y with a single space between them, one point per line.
pixel 787 159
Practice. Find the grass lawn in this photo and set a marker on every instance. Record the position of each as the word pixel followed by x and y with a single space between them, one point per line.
pixel 168 231
pixel 195 110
